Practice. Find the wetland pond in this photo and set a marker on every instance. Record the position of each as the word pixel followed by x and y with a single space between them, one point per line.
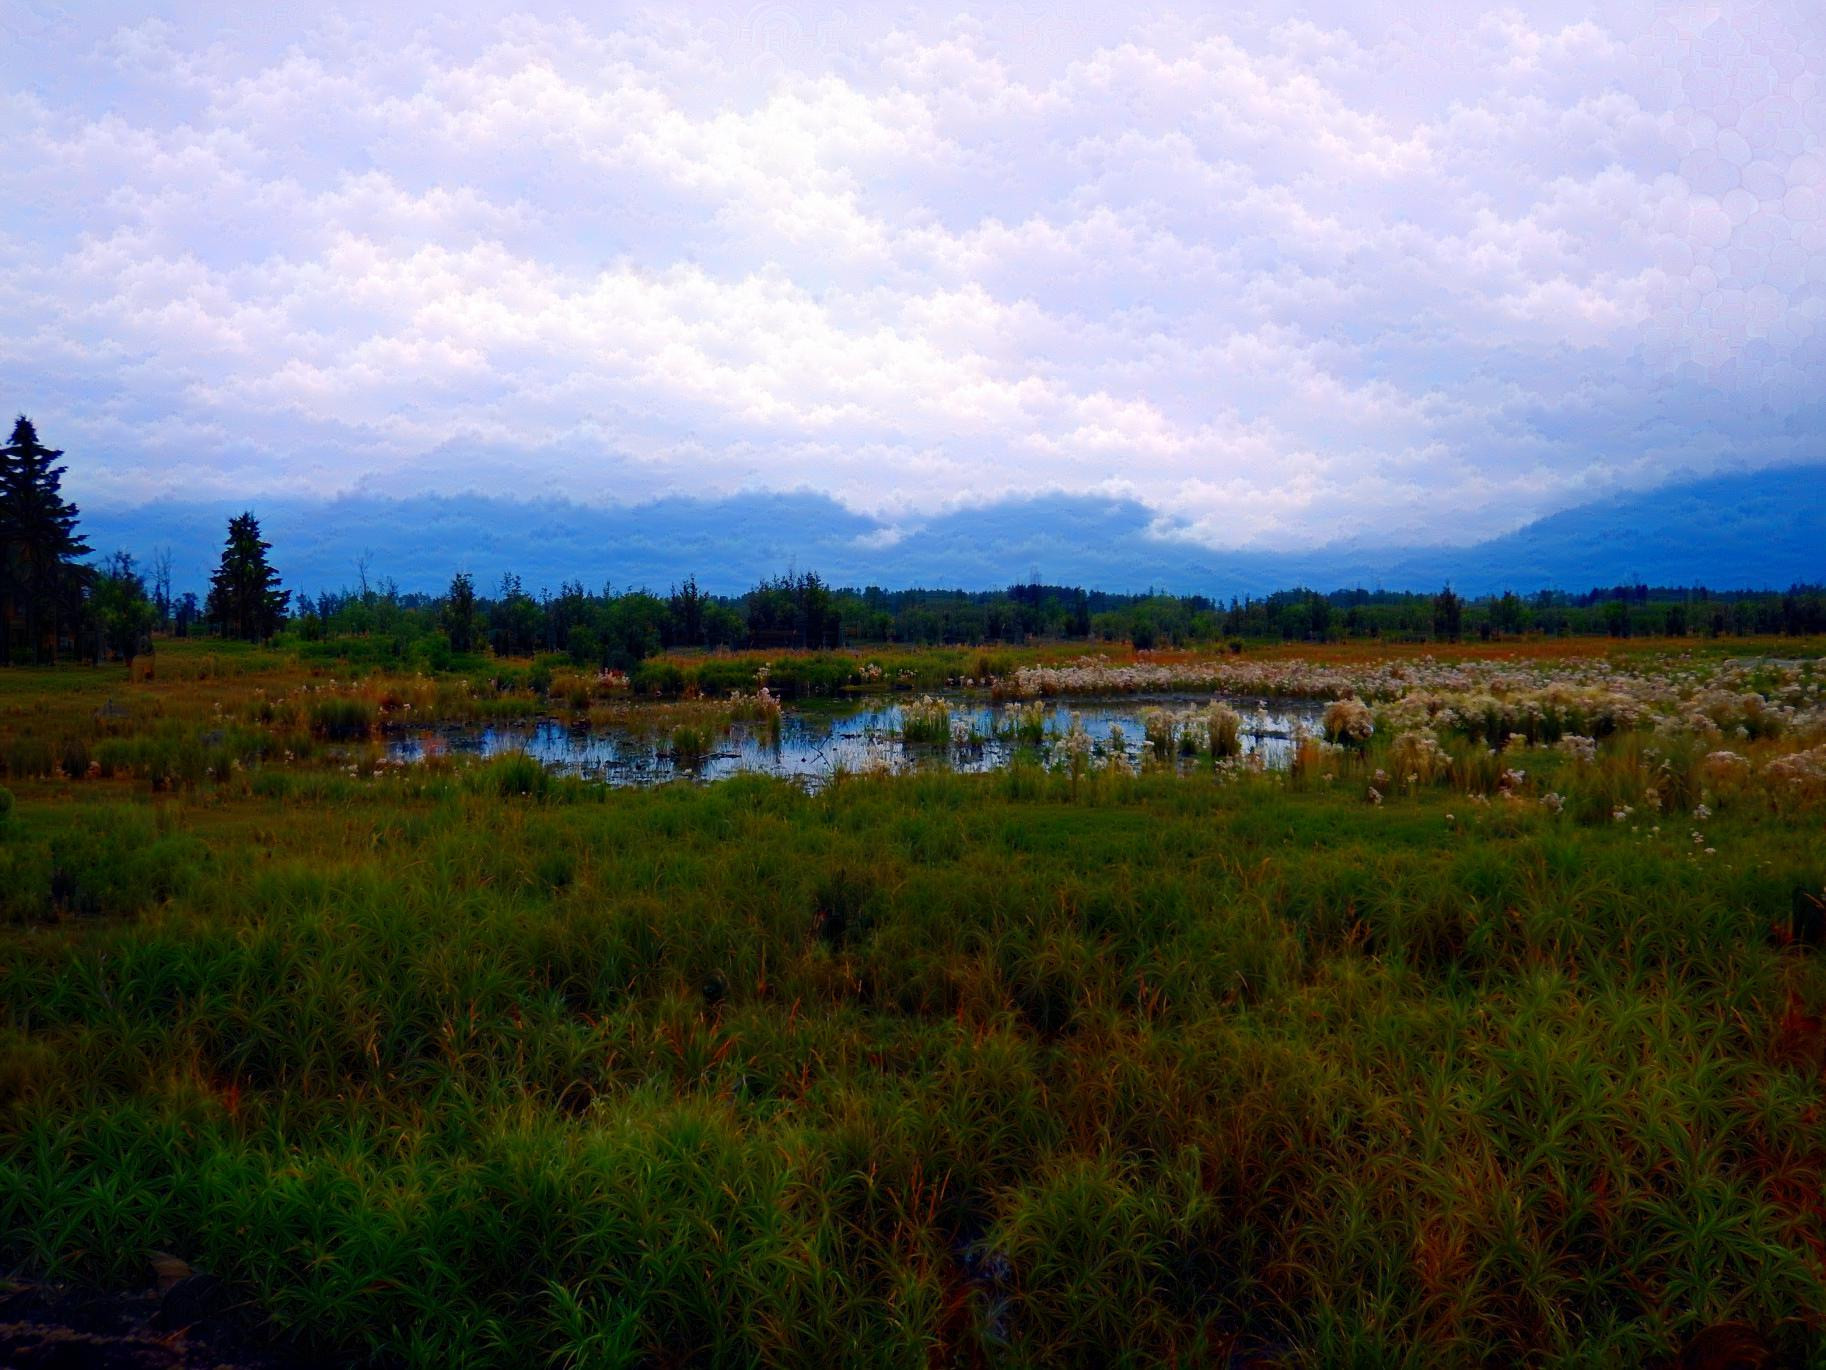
pixel 816 738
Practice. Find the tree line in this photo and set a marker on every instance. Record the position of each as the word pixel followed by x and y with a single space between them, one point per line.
pixel 56 603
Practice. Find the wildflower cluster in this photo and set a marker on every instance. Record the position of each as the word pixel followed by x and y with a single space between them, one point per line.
pixel 1798 775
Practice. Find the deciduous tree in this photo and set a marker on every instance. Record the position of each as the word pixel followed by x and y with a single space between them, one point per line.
pixel 123 614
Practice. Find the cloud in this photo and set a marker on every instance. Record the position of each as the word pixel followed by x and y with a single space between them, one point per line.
pixel 1276 283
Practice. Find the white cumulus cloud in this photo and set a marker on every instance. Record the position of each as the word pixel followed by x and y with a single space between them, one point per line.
pixel 1351 273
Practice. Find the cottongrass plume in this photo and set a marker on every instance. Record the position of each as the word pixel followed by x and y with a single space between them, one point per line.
pixel 926 720
pixel 1223 731
pixel 1072 751
pixel 1116 753
pixel 1160 728
pixel 759 707
pixel 1348 722
pixel 1798 777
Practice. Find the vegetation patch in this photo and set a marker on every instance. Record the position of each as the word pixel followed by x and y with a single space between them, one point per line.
pixel 1490 1031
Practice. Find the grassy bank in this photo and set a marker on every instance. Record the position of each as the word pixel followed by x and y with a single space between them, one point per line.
pixel 476 1066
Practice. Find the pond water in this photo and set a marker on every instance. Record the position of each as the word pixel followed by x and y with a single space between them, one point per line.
pixel 817 738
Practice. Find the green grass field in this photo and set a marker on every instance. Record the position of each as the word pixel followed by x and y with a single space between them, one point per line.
pixel 1408 1056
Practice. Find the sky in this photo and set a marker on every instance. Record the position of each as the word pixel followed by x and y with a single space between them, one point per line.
pixel 1278 278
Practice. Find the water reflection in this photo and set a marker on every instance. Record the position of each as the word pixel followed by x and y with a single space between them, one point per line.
pixel 818 739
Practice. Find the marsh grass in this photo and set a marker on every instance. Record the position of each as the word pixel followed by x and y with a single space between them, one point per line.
pixel 926 722
pixel 692 743
pixel 469 1064
pixel 342 718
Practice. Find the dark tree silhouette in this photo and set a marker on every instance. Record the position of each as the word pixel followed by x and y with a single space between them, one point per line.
pixel 688 604
pixel 1448 615
pixel 161 585
pixel 460 619
pixel 245 600
pixel 124 616
pixel 39 544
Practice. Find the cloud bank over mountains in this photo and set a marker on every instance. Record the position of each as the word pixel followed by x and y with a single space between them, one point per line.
pixel 1258 284
pixel 1728 532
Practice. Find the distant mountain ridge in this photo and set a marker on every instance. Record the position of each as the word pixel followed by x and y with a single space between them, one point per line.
pixel 1735 531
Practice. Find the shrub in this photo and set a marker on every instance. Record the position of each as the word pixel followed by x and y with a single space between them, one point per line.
pixel 6 805
pixel 543 667
pixel 73 757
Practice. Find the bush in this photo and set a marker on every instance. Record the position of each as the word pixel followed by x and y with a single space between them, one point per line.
pixel 6 805
pixel 73 757
pixel 436 654
pixel 543 667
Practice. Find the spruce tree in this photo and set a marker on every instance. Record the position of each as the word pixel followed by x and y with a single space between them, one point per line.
pixel 39 543
pixel 245 600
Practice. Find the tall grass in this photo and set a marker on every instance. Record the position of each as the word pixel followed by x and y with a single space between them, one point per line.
pixel 926 722
pixel 474 1065
pixel 692 743
pixel 342 718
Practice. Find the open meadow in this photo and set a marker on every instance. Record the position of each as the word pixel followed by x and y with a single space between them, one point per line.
pixel 1485 1022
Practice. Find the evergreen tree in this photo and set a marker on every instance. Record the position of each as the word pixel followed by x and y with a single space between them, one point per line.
pixel 688 605
pixel 1448 615
pixel 186 613
pixel 39 543
pixel 245 600
pixel 460 615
